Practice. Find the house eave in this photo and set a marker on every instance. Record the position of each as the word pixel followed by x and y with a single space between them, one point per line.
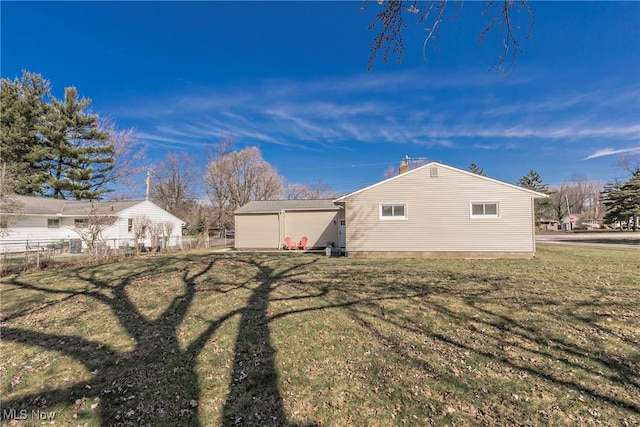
pixel 337 208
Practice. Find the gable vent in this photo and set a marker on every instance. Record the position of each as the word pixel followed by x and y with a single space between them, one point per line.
pixel 433 171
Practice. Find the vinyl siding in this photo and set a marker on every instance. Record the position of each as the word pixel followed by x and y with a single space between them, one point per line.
pixel 438 215
pixel 257 231
pixel 34 227
pixel 320 227
pixel 145 208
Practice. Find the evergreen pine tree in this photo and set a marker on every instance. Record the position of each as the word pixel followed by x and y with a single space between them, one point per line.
pixel 622 200
pixel 22 111
pixel 533 181
pixel 473 167
pixel 78 155
pixel 52 148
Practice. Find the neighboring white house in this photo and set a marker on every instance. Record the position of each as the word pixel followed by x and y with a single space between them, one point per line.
pixel 432 211
pixel 265 224
pixel 42 221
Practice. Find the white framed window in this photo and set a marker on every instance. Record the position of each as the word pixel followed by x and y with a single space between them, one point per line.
pixel 130 225
pixel 80 222
pixel 53 223
pixel 393 211
pixel 485 209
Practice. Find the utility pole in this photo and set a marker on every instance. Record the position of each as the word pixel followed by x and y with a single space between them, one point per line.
pixel 568 211
pixel 148 182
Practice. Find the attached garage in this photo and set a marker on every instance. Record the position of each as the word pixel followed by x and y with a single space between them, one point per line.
pixel 257 230
pixel 264 224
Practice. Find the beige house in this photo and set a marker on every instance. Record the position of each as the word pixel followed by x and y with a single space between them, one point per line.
pixel 442 212
pixel 432 211
pixel 264 224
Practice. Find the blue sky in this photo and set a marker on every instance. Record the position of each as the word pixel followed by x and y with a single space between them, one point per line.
pixel 291 78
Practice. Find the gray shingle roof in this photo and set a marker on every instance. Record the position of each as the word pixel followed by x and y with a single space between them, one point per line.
pixel 48 206
pixel 268 206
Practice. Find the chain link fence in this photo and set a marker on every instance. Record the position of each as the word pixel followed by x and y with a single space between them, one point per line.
pixel 23 255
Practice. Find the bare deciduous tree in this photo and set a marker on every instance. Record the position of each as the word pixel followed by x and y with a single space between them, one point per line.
pixel 629 162
pixel 233 179
pixel 90 228
pixel 167 229
pixel 129 157
pixel 588 196
pixel 139 229
pixel 215 183
pixel 315 190
pixel 155 232
pixel 579 196
pixel 174 186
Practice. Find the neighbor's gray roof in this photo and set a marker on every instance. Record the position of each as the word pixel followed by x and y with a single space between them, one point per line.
pixel 270 206
pixel 28 205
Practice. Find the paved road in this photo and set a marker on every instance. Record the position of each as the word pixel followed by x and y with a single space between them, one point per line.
pixel 618 239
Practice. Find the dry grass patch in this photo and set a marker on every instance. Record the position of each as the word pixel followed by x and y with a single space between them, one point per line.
pixel 277 339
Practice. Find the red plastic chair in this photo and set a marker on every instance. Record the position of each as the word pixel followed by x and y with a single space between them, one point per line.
pixel 302 244
pixel 290 245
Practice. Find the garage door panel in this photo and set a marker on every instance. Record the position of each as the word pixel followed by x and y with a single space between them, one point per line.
pixel 257 231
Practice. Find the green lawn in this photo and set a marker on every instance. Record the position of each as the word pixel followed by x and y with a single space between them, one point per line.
pixel 299 339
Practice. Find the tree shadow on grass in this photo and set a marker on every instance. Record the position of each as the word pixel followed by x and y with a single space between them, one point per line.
pixel 254 397
pixel 477 327
pixel 154 384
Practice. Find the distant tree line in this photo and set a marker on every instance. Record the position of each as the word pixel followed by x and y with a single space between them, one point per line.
pixel 615 203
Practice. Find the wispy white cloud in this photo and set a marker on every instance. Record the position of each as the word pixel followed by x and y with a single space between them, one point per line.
pixel 144 136
pixel 487 146
pixel 446 143
pixel 168 142
pixel 611 151
pixel 402 108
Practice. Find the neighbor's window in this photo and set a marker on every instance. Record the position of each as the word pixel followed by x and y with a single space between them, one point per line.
pixel 393 211
pixel 80 222
pixel 485 210
pixel 53 223
pixel 130 225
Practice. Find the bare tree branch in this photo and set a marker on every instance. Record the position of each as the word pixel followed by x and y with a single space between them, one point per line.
pixel 391 22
